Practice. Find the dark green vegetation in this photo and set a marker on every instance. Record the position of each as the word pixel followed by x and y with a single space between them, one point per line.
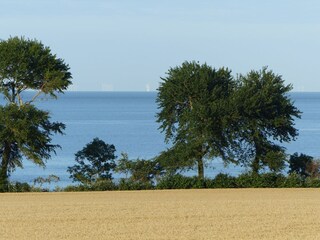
pixel 26 131
pixel 178 181
pixel 94 163
pixel 304 165
pixel 140 170
pixel 196 115
pixel 143 174
pixel 207 113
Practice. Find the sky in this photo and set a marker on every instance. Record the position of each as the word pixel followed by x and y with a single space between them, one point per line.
pixel 126 45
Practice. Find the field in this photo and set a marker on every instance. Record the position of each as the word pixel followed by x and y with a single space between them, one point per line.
pixel 173 214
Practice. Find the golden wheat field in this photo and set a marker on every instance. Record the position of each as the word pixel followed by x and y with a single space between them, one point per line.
pixel 170 214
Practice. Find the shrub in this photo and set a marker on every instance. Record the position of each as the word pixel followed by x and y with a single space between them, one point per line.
pixel 248 180
pixel 179 181
pixel 102 185
pixel 272 180
pixel 19 187
pixel 140 170
pixel 224 181
pixel 265 180
pixel 293 180
pixel 129 184
pixel 76 188
pixel 99 185
pixel 312 182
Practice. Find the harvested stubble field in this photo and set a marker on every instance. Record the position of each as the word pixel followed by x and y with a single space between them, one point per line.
pixel 173 214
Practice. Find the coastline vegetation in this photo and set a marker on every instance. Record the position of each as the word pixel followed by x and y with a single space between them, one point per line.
pixel 205 113
pixel 303 172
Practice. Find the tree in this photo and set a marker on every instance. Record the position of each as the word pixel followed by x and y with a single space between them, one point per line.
pixel 25 130
pixel 195 113
pixel 302 164
pixel 205 113
pixel 266 116
pixel 141 170
pixel 94 162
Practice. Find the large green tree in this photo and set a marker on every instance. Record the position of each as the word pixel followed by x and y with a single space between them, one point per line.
pixel 196 114
pixel 206 113
pixel 266 118
pixel 25 131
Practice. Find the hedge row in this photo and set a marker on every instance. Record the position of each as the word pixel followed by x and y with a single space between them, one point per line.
pixel 246 180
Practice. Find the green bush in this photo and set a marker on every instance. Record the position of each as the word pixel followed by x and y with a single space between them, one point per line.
pixel 312 182
pixel 248 180
pixel 179 181
pixel 19 187
pixel 129 184
pixel 76 188
pixel 293 180
pixel 265 180
pixel 100 185
pixel 272 180
pixel 224 181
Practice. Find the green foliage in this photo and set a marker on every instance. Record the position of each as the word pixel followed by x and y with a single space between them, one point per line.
pixel 299 164
pixel 179 181
pixel 254 180
pixel 206 113
pixel 94 163
pixel 224 181
pixel 103 185
pixel 76 188
pixel 99 185
pixel 312 182
pixel 195 113
pixel 28 64
pixel 130 184
pixel 293 180
pixel 19 187
pixel 140 170
pixel 22 187
pixel 265 112
pixel 24 130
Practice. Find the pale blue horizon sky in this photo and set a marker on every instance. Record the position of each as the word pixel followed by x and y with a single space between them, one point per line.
pixel 128 45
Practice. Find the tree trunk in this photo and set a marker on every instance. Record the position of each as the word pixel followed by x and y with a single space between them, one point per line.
pixel 4 168
pixel 255 165
pixel 200 169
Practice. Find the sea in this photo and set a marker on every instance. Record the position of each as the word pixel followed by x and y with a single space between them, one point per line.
pixel 128 121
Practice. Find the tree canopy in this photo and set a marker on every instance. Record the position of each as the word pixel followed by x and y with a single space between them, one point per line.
pixel 266 118
pixel 26 131
pixel 195 112
pixel 301 164
pixel 94 162
pixel 27 64
pixel 207 113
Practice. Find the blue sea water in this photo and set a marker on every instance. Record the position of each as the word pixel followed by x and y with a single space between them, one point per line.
pixel 127 120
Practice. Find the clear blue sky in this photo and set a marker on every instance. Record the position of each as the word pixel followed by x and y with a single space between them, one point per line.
pixel 126 45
